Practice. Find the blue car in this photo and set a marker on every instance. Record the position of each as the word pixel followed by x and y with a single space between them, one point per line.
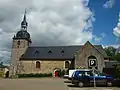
pixel 87 77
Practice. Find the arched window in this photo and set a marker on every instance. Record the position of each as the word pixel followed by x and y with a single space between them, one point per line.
pixel 67 64
pixel 37 64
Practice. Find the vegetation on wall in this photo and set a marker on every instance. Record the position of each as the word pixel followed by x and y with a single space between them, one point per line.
pixel 1 74
pixel 61 73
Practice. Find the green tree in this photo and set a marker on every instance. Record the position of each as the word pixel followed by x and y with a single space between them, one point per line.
pixel 110 52
pixel 118 71
pixel 117 57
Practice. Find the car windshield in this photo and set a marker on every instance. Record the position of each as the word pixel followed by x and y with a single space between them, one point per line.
pixel 85 73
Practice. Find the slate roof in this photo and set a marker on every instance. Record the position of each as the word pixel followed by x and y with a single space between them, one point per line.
pixel 2 66
pixel 55 52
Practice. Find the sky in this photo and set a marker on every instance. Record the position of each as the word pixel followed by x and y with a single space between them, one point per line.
pixel 60 22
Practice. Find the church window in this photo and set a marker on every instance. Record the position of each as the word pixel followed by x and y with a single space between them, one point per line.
pixel 18 43
pixel 37 64
pixel 67 64
pixel 37 53
pixel 62 51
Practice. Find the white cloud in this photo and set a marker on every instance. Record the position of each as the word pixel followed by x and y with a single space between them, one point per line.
pixel 65 20
pixel 109 4
pixel 51 22
pixel 106 46
pixel 97 39
pixel 116 30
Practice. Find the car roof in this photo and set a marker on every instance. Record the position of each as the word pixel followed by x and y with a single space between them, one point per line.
pixel 84 70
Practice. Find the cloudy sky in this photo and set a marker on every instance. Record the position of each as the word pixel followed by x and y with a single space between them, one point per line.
pixel 60 22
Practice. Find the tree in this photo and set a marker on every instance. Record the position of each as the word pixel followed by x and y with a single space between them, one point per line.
pixel 117 70
pixel 117 57
pixel 111 52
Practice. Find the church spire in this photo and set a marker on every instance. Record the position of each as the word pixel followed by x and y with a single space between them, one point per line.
pixel 24 23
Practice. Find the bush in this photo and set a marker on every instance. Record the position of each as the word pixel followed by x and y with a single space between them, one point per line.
pixel 61 73
pixel 118 71
pixel 1 74
pixel 34 75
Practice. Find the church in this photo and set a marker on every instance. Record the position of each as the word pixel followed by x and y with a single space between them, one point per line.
pixel 26 58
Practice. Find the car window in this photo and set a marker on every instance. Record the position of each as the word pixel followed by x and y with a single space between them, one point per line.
pixel 85 73
pixel 96 73
pixel 102 74
pixel 88 73
pixel 81 73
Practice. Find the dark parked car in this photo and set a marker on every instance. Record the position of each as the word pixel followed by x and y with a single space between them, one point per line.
pixel 86 77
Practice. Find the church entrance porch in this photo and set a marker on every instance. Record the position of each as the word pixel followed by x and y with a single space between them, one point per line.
pixel 56 72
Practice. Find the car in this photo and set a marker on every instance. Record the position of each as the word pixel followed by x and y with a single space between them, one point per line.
pixel 71 73
pixel 66 76
pixel 86 77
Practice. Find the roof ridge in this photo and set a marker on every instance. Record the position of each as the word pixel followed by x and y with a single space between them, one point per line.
pixel 61 46
pixel 58 46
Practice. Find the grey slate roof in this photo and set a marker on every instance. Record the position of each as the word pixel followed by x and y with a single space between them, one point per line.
pixel 2 66
pixel 55 52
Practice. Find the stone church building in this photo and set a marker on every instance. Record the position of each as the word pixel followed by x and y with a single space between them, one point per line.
pixel 46 59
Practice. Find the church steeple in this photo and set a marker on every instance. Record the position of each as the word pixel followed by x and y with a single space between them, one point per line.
pixel 22 33
pixel 24 23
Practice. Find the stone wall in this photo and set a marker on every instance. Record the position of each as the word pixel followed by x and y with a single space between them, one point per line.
pixel 46 66
pixel 84 53
pixel 16 52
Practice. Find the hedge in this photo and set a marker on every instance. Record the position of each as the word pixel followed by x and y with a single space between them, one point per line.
pixel 34 75
pixel 1 74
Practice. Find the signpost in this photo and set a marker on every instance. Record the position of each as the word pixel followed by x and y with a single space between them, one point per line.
pixel 92 63
pixel 94 76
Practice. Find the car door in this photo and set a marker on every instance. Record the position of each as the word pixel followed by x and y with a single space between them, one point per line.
pixel 91 78
pixel 83 78
pixel 100 78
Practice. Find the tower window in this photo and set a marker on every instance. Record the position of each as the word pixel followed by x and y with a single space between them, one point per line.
pixel 18 43
pixel 37 64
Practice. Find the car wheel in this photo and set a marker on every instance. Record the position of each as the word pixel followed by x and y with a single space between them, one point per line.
pixel 109 83
pixel 80 84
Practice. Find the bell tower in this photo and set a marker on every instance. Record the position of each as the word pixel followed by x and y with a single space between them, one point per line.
pixel 21 41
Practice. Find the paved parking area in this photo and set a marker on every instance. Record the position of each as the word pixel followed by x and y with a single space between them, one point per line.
pixel 72 87
pixel 33 84
pixel 44 84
